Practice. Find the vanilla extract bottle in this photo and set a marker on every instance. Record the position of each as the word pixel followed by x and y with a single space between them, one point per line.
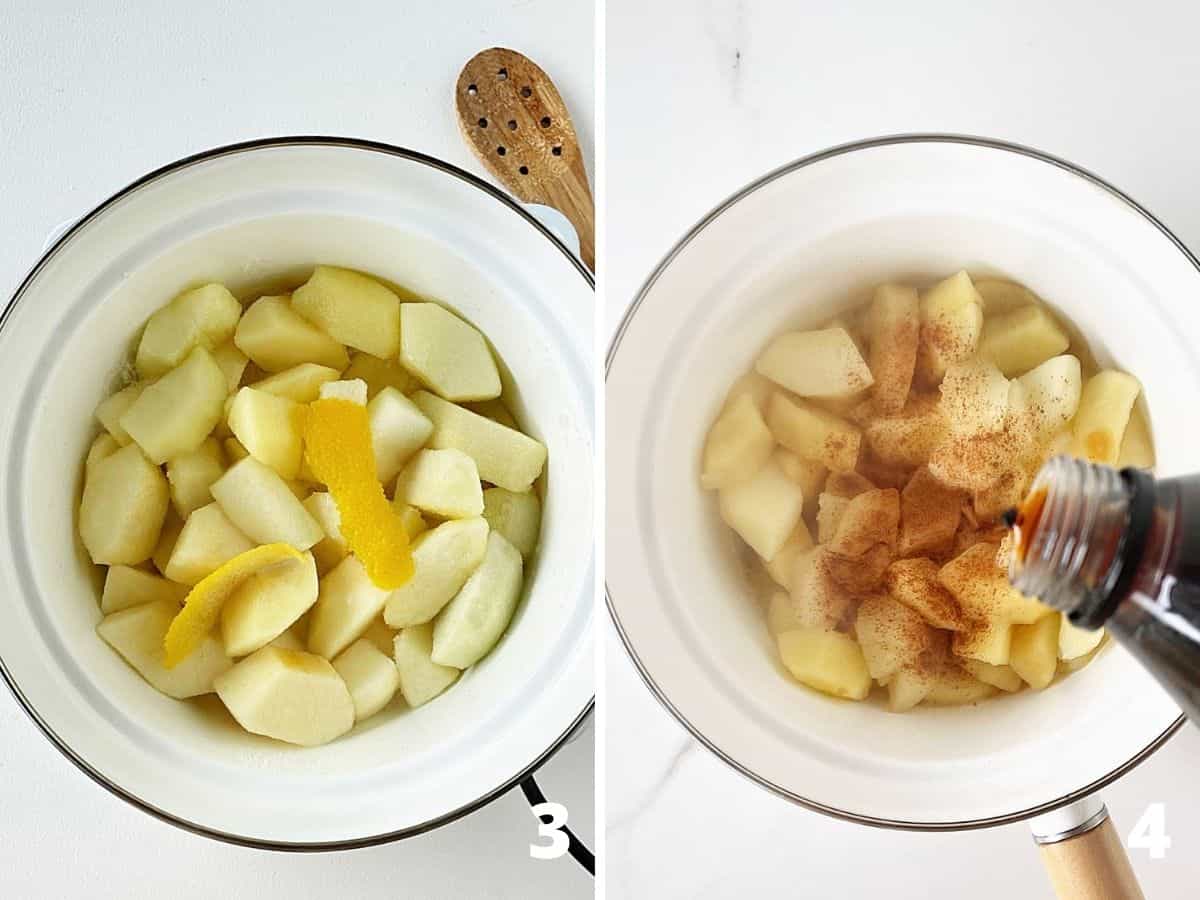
pixel 1118 549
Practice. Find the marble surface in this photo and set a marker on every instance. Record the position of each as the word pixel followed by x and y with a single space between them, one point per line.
pixel 91 97
pixel 702 98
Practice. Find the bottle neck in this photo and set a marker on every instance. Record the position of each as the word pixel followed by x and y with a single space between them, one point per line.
pixel 1082 548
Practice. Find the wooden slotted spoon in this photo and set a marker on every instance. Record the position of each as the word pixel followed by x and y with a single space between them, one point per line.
pixel 513 117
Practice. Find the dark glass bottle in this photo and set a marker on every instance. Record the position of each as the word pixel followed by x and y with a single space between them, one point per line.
pixel 1119 550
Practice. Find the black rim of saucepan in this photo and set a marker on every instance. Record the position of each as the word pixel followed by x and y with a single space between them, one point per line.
pixel 525 777
pixel 614 346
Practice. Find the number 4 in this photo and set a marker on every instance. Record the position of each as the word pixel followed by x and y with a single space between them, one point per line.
pixel 551 830
pixel 1150 832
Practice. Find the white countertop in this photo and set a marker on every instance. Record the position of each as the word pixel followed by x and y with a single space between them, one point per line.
pixel 91 97
pixel 702 98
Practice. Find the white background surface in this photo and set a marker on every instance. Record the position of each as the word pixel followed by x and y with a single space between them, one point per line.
pixel 702 97
pixel 93 96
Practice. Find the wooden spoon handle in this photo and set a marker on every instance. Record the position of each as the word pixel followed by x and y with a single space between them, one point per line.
pixel 1091 866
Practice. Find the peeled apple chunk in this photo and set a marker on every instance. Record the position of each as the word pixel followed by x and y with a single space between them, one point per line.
pixel 974 397
pixel 175 414
pixel 232 362
pixel 123 507
pixel 472 623
pixel 104 446
pixel 504 456
pixel 353 390
pixel 1137 449
pixel 1017 341
pixel 204 602
pixel 379 374
pixel 450 356
pixel 1074 642
pixel 356 310
pixel 954 687
pixel 910 437
pixel 442 482
pixel 1104 409
pixel 443 560
pixel 276 338
pixel 421 679
pixel 909 687
pixel 300 383
pixel 892 636
pixel 1002 677
pixel 951 322
pixel 204 317
pixel 738 444
pixel 258 501
pixel 814 434
pixel 398 430
pixel 137 634
pixel 1034 651
pixel 763 510
pixel 207 541
pixel 191 476
pixel 167 538
pixel 827 661
pixel 110 410
pixel 125 587
pixel 782 566
pixel 332 548
pixel 516 516
pixel 370 676
pixel 1049 394
pixel 1000 296
pixel 266 604
pixel 270 427
pixel 824 363
pixel 893 326
pixel 347 603
pixel 288 695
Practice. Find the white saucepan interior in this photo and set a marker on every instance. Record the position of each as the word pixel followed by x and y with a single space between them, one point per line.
pixel 252 218
pixel 800 247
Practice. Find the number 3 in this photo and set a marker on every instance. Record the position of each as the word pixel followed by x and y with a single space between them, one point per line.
pixel 1150 832
pixel 551 830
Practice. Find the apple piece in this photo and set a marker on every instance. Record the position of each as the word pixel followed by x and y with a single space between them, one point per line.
pixel 191 475
pixel 137 634
pixel 443 559
pixel 986 641
pixel 111 409
pixel 1034 652
pixel 301 383
pixel 204 317
pixel 1001 296
pixel 847 484
pixel 167 538
pixel 869 519
pixel 914 582
pixel 348 601
pixel 782 566
pixel 738 445
pixel 495 410
pixel 1137 449
pixel 781 615
pixel 827 661
pixel 379 373
pixel 207 541
pixel 232 362
pixel 104 446
pixel 822 363
pixel 830 508
pixel 812 433
pixel 266 604
pixel 516 516
pixel 1049 394
pixel 1104 409
pixel 505 457
pixel 1002 677
pixel 954 687
pixel 447 354
pixel 929 515
pixel 421 679
pixel 290 640
pixel 763 510
pixel 472 623
pixel 908 438
pixel 908 688
pixel 893 325
pixel 379 634
pixel 270 427
pixel 444 483
pixel 370 676
pixel 818 600
pixel 352 391
pixel 892 636
pixel 808 473
pixel 410 517
pixel 262 506
pixel 288 695
pixel 758 387
pixel 951 322
pixel 398 430
pixel 1008 491
pixel 332 548
pixel 1019 340
pixel 1074 641
pixel 123 508
pixel 974 397
pixel 276 338
pixel 126 587
pixel 355 309
pixel 174 415
pixel 982 589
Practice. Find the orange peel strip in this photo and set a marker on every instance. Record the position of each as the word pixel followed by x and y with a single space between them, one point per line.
pixel 202 606
pixel 337 447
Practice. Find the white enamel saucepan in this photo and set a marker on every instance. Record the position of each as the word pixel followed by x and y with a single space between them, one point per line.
pixel 794 248
pixel 252 216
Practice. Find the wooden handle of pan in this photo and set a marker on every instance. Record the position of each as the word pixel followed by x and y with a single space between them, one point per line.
pixel 1091 866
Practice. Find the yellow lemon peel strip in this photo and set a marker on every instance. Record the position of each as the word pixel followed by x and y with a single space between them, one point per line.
pixel 202 606
pixel 337 447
